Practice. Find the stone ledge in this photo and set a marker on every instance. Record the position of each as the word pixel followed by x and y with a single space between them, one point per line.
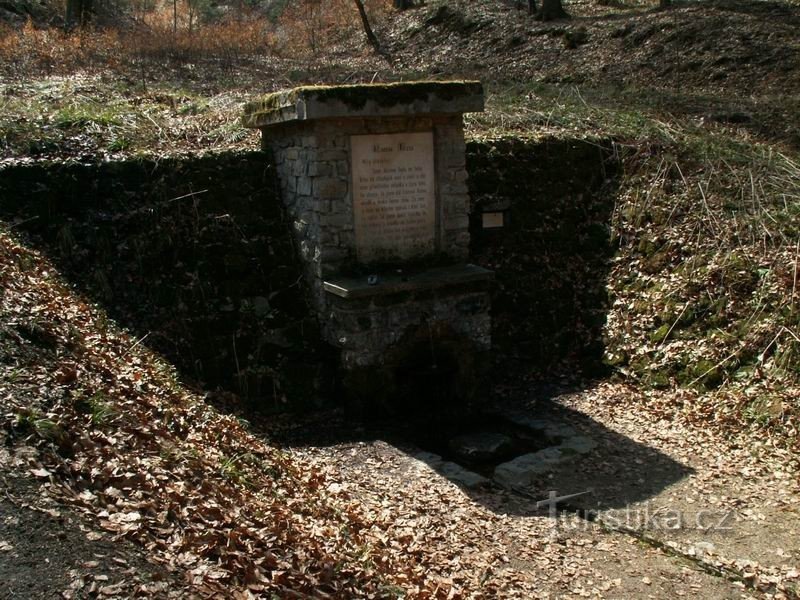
pixel 359 287
pixel 417 98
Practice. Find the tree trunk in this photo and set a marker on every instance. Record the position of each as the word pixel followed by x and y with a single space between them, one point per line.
pixel 664 3
pixel 552 10
pixel 373 41
pixel 402 4
pixel 77 13
pixel 532 7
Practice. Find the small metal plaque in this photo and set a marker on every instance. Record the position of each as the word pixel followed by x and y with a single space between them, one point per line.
pixel 493 220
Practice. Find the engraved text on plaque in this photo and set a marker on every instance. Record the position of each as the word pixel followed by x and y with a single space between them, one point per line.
pixel 393 195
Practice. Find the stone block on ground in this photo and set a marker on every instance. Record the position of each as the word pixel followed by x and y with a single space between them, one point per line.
pixel 482 445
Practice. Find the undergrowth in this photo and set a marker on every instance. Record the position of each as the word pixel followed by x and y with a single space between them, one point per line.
pixel 94 115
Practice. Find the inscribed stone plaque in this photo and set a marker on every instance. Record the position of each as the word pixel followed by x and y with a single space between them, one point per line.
pixel 393 195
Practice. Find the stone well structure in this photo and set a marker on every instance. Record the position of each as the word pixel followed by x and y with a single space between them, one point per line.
pixel 373 180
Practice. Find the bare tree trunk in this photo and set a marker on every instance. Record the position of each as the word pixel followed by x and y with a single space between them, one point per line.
pixel 373 41
pixel 552 10
pixel 77 13
pixel 532 7
pixel 174 17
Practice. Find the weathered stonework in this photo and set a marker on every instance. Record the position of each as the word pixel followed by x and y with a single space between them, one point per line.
pixel 309 133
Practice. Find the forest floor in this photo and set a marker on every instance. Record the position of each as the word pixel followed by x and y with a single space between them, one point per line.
pixel 120 481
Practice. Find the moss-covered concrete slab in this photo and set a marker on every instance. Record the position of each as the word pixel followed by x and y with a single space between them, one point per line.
pixel 366 100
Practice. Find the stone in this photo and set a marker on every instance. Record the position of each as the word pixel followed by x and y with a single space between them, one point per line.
pixel 329 188
pixel 458 474
pixel 456 222
pixel 480 446
pixel 261 305
pixel 429 458
pixel 522 471
pixel 304 186
pixel 552 430
pixel 452 471
pixel 319 168
pixel 580 444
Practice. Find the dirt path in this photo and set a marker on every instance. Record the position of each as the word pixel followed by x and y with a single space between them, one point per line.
pixel 679 512
pixel 488 542
pixel 738 509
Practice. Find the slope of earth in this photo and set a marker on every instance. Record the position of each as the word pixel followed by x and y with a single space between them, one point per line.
pixel 733 63
pixel 127 454
pixel 747 47
pixel 725 62
pixel 114 437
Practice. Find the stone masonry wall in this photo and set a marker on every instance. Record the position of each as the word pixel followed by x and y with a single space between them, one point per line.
pixel 370 326
pixel 552 258
pixel 193 255
pixel 313 166
pixel 433 348
pixel 196 253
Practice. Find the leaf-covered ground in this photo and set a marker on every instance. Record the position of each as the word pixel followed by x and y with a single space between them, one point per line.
pixel 89 410
pixel 702 335
pixel 114 440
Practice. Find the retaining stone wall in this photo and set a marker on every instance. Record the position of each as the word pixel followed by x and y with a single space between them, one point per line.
pixel 194 253
pixel 552 259
pixel 199 272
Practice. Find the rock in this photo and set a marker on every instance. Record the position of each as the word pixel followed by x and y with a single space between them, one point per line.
pixel 482 445
pixel 452 471
pixel 579 444
pixel 260 305
pixel 524 470
pixel 701 548
pixel 429 458
pixel 458 474
pixel 551 429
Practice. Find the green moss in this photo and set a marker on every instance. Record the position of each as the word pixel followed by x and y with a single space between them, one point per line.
pixel 615 358
pixel 704 373
pixel 658 379
pixel 660 334
pixel 657 262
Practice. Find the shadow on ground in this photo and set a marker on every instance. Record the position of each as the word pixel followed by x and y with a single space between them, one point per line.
pixel 618 471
